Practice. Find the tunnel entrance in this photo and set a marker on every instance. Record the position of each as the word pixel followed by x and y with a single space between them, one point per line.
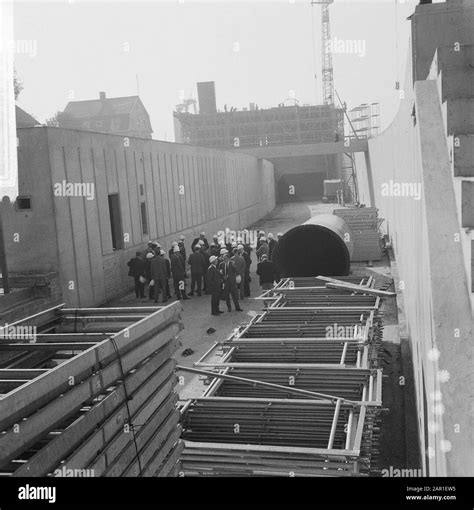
pixel 321 246
pixel 306 186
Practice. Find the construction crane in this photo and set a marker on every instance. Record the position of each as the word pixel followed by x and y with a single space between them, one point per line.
pixel 327 72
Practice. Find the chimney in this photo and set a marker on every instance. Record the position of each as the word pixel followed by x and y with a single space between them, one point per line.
pixel 102 96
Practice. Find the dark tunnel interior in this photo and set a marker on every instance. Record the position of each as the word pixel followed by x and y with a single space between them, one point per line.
pixel 311 250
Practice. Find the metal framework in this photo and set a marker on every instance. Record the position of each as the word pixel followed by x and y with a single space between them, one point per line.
pixel 72 380
pixel 365 120
pixel 283 125
pixel 286 397
pixel 328 76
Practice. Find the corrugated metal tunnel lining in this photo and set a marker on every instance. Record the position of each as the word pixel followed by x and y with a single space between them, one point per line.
pixel 321 246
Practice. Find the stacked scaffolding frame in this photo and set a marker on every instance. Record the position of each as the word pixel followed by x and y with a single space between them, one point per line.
pixel 90 389
pixel 292 394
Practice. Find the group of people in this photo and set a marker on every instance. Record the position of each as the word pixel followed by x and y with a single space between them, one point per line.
pixel 218 268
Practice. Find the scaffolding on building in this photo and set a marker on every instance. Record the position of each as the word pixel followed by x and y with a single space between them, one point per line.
pixel 365 120
pixel 282 125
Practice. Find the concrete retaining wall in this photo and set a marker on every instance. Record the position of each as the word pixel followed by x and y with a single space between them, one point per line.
pixel 186 190
pixel 434 284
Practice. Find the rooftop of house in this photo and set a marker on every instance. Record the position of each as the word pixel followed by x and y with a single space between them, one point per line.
pixel 24 119
pixel 102 106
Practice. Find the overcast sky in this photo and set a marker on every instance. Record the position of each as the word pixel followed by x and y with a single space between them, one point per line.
pixel 255 51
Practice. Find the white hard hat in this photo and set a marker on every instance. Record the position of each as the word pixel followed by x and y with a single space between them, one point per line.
pixel 174 243
pixel 212 258
pixel 203 233
pixel 261 232
pixel 234 244
pixel 162 252
pixel 280 234
pixel 149 255
pixel 158 245
pixel 176 249
pixel 223 251
pixel 215 236
pixel 270 236
pixel 240 247
pixel 263 238
pixel 182 237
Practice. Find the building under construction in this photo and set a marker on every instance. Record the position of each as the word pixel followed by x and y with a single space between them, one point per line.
pixel 254 128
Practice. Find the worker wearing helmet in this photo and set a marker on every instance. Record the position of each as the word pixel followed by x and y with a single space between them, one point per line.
pixel 214 281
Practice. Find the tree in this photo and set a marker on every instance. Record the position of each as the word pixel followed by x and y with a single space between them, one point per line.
pixel 59 119
pixel 54 120
pixel 17 84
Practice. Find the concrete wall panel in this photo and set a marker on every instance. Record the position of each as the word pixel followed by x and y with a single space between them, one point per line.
pixel 25 229
pixel 149 196
pixel 161 192
pixel 98 168
pixel 93 226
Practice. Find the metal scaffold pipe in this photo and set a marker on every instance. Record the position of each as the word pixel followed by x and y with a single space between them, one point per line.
pixel 323 245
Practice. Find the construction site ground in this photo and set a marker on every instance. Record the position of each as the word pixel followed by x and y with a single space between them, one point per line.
pixel 398 441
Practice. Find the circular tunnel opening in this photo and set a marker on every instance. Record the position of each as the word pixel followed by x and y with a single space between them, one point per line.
pixel 311 250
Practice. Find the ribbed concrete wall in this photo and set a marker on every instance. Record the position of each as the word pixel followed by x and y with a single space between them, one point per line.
pixel 430 260
pixel 186 189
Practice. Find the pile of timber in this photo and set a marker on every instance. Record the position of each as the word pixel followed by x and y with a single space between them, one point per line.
pixel 291 394
pixel 90 392
pixel 364 225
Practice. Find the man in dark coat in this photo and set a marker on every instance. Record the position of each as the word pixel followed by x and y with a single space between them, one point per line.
pixel 271 245
pixel 179 274
pixel 171 250
pixel 263 248
pixel 201 239
pixel 214 282
pixel 267 272
pixel 168 273
pixel 137 270
pixel 197 264
pixel 206 256
pixel 148 249
pixel 247 280
pixel 182 248
pixel 158 274
pixel 229 274
pixel 149 257
pixel 239 264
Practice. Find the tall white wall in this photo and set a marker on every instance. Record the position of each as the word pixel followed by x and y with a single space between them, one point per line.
pixel 430 262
